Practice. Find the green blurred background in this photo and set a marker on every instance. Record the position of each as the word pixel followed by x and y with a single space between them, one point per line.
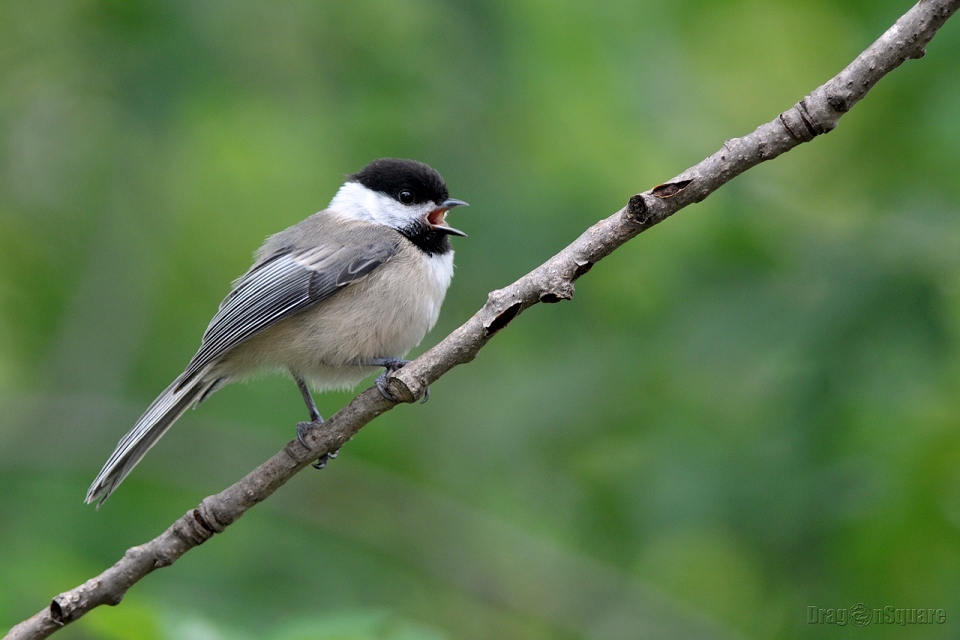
pixel 752 409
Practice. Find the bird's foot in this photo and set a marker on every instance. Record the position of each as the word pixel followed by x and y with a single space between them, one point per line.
pixel 391 366
pixel 381 383
pixel 324 459
pixel 303 427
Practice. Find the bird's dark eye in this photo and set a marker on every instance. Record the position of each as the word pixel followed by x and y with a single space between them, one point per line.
pixel 405 197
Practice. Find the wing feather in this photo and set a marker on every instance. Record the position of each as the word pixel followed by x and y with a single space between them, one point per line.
pixel 286 283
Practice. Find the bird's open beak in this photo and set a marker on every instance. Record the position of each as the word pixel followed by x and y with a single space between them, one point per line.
pixel 437 219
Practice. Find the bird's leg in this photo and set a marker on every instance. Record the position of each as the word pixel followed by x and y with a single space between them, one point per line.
pixel 391 366
pixel 308 399
pixel 315 418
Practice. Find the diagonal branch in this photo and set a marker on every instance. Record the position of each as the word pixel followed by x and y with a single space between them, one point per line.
pixel 552 281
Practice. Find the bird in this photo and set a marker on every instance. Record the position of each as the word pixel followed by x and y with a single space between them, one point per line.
pixel 329 301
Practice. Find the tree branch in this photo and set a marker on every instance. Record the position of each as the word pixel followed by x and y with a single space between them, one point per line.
pixel 552 281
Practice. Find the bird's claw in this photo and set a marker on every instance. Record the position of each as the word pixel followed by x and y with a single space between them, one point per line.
pixel 303 428
pixel 324 459
pixel 391 366
pixel 381 383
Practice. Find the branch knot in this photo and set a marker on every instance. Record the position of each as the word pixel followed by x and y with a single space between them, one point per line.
pixel 502 319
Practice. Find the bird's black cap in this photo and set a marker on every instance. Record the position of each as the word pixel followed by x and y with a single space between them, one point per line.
pixel 393 175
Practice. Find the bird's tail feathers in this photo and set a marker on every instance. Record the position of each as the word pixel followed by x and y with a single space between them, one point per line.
pixel 159 416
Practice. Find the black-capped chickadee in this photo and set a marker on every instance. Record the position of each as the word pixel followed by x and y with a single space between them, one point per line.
pixel 329 300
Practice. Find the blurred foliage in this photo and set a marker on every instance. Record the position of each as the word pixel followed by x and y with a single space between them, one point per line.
pixel 751 409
